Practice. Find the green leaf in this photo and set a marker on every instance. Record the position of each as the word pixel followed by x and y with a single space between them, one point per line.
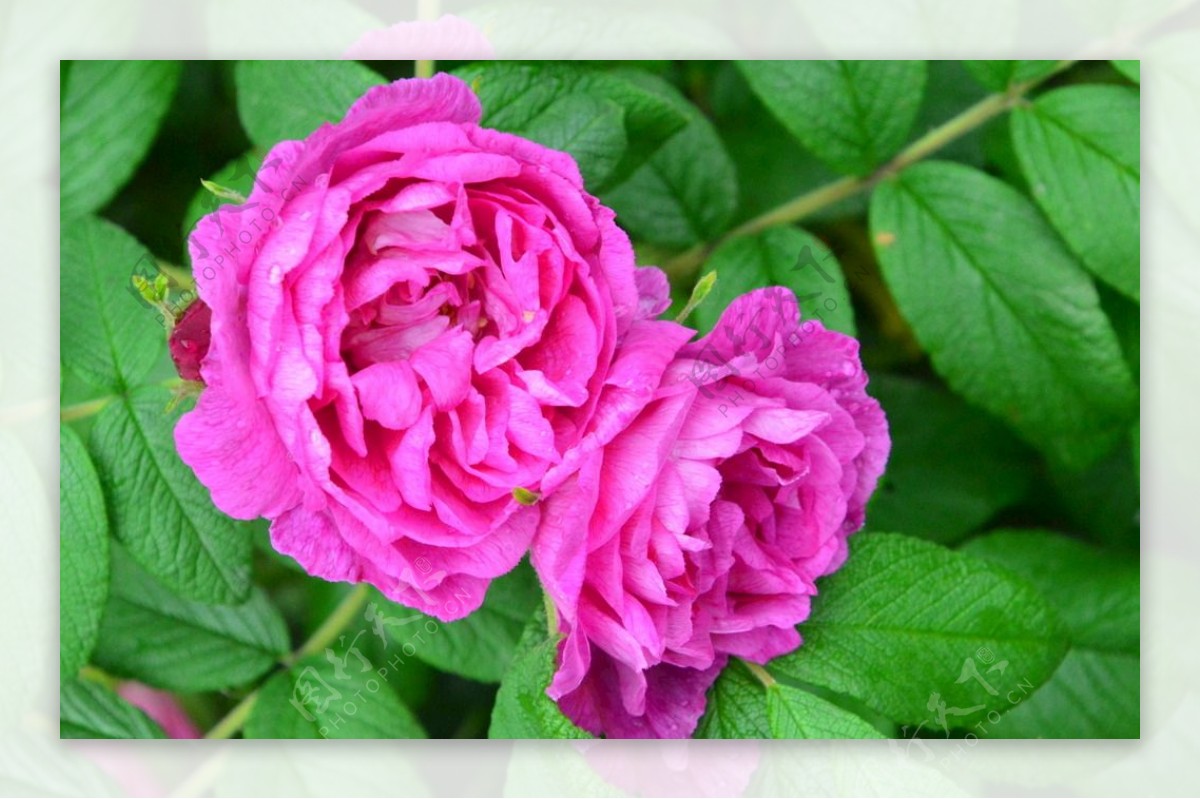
pixel 1103 500
pixel 740 706
pixel 481 646
pixel 88 710
pixel 1007 315
pixel 1091 695
pixel 321 698
pixel 1131 69
pixel 192 646
pixel 544 105
pixel 793 713
pixel 853 115
pixel 1126 318
pixel 83 553
pixel 1079 148
pixel 911 628
pixel 158 509
pixel 108 336
pixel 737 706
pixel 280 100
pixel 779 257
pixel 686 192
pixel 951 467
pixel 1096 592
pixel 523 710
pixel 1095 692
pixel 1000 75
pixel 110 112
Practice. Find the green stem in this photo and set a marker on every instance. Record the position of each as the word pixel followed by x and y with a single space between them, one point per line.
pixel 427 11
pixel 326 634
pixel 821 197
pixel 333 626
pixel 97 675
pixel 761 674
pixel 81 410
pixel 234 719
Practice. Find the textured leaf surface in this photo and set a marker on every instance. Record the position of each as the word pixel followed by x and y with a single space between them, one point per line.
pixel 793 713
pixel 537 103
pixel 853 115
pixel 83 553
pixel 111 111
pixel 951 467
pixel 88 710
pixel 108 336
pixel 687 190
pixel 313 699
pixel 280 100
pixel 904 620
pixel 779 257
pixel 737 706
pixel 522 709
pixel 152 635
pixel 1079 148
pixel 482 645
pixel 160 512
pixel 1009 318
pixel 1095 692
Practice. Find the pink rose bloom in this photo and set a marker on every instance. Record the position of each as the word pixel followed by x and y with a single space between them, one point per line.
pixel 709 518
pixel 412 317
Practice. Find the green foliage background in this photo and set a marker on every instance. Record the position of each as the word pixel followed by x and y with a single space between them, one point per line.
pixel 975 224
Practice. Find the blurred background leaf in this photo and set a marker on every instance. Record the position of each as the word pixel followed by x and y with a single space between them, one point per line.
pixel 1095 693
pixel 952 467
pixel 110 113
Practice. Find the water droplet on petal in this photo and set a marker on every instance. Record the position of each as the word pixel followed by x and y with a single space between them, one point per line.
pixel 275 276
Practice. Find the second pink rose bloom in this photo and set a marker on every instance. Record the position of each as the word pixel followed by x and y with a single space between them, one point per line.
pixel 709 518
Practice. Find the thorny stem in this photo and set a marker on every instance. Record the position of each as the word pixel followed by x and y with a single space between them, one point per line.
pixel 325 635
pixel 82 410
pixel 333 626
pixel 821 197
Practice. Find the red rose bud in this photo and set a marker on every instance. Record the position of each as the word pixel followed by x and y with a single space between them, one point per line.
pixel 190 338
